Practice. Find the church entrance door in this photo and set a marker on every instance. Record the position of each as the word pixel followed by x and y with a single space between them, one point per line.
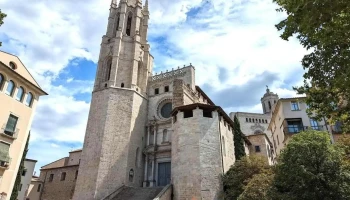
pixel 164 173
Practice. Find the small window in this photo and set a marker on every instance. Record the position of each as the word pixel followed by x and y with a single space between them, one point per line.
pixel 51 178
pixel 266 121
pixel 29 100
pixel 11 125
pixel 109 69
pixel 166 89
pixel 270 105
pixel 10 88
pixel 257 148
pixel 63 176
pixel 2 80
pixel 122 85
pixel 207 113
pixel 259 120
pixel 20 94
pixel 165 135
pixel 128 25
pixel 76 174
pixel 295 105
pixel 314 124
pixel 229 128
pixel 24 172
pixel 137 157
pixel 118 20
pixel 156 91
pixel 246 119
pixel 13 65
pixel 188 113
pixel 39 188
pixel 224 123
pixel 250 119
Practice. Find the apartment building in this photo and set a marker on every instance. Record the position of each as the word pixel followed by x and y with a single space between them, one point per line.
pixel 289 117
pixel 19 95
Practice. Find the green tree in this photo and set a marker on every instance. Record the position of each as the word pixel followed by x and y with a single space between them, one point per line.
pixel 2 16
pixel 238 139
pixel 311 168
pixel 258 187
pixel 241 173
pixel 16 187
pixel 322 27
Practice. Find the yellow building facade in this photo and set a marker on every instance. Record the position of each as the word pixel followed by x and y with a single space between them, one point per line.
pixel 19 94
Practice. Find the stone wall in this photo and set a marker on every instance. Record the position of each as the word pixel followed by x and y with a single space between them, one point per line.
pixel 115 131
pixel 196 157
pixel 228 148
pixel 58 189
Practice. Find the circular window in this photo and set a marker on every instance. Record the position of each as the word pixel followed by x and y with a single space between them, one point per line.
pixel 166 109
pixel 13 65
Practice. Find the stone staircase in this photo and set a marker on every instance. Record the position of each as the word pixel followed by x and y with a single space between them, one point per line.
pixel 139 193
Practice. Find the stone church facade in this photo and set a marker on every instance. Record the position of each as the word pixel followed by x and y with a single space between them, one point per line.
pixel 148 130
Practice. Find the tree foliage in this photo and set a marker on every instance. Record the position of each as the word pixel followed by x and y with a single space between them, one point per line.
pixel 258 187
pixel 323 27
pixel 2 16
pixel 240 173
pixel 17 184
pixel 238 139
pixel 310 167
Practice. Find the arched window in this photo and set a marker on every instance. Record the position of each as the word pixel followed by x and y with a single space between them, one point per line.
pixel 10 88
pixel 137 157
pixel 165 135
pixel 122 85
pixel 2 80
pixel 223 146
pixel 109 68
pixel 20 94
pixel 128 25
pixel 270 105
pixel 29 99
pixel 250 119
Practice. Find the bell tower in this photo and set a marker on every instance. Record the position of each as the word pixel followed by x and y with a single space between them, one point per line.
pixel 268 101
pixel 112 151
pixel 125 60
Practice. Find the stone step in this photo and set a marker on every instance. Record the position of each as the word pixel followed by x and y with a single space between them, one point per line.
pixel 136 193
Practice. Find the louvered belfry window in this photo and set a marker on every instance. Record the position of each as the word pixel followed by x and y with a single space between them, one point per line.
pixel 11 125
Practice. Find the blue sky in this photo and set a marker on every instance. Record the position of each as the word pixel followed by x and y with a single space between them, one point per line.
pixel 232 43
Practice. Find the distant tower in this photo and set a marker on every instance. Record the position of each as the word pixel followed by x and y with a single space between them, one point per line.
pixel 112 152
pixel 268 101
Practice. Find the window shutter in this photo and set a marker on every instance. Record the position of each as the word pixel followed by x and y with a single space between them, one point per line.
pixel 4 152
pixel 11 124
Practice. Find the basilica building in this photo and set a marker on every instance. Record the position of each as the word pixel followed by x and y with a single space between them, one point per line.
pixel 159 134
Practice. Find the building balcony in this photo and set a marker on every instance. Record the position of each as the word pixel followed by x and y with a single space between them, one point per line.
pixel 298 129
pixel 336 129
pixel 9 134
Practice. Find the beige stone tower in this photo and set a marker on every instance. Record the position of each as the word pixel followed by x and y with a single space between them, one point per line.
pixel 268 101
pixel 112 149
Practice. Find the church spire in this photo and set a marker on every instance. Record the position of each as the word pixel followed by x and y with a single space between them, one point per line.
pixel 146 5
